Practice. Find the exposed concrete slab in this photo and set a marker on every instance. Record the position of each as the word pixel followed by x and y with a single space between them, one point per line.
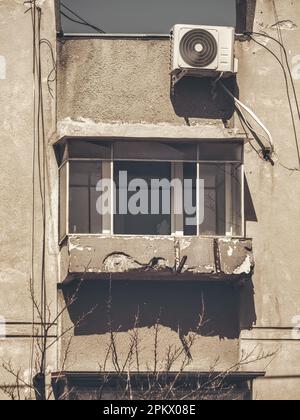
pixel 158 257
pixel 200 255
pixel 17 235
pixel 235 256
pixel 129 81
pixel 85 127
pixel 269 334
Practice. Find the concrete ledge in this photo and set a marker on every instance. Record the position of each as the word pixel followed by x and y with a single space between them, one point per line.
pixel 156 258
pixel 84 127
pixel 78 385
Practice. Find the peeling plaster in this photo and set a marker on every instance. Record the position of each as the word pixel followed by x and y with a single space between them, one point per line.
pixel 296 67
pixel 11 275
pixel 230 252
pixel 287 25
pixel 120 263
pixel 245 267
pixel 203 256
pixel 185 243
pixel 2 67
pixel 206 269
pixel 76 247
pixel 40 3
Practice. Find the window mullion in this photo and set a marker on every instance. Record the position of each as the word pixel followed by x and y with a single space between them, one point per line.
pixel 177 196
pixel 68 199
pixel 106 218
pixel 112 190
pixel 112 197
pixel 198 191
pixel 228 199
pixel 242 192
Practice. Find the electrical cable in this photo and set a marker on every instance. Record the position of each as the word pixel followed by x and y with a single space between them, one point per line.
pixel 249 140
pixel 251 113
pixel 81 21
pixel 288 93
pixel 249 34
pixel 32 280
pixel 39 158
pixel 51 78
pixel 249 126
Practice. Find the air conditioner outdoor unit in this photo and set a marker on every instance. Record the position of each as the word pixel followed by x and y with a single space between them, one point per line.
pixel 204 51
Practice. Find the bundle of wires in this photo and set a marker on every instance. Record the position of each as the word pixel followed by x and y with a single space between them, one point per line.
pixel 244 111
pixel 76 18
pixel 243 108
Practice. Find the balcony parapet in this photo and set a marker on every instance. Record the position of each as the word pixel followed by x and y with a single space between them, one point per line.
pixel 91 257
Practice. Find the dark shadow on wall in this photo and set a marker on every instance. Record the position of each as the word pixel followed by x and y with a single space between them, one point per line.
pixel 196 97
pixel 248 316
pixel 245 11
pixel 178 306
pixel 250 213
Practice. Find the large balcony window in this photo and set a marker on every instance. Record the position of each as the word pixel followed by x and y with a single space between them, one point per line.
pixel 151 188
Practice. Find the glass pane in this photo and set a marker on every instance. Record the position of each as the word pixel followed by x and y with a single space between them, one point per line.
pixel 190 199
pixel 79 210
pixel 236 220
pixel 88 149
pixel 155 150
pixel 222 199
pixel 142 212
pixel 95 217
pixel 221 151
pixel 63 202
pixel 84 217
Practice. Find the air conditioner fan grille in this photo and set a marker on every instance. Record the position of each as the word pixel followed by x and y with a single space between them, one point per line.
pixel 198 48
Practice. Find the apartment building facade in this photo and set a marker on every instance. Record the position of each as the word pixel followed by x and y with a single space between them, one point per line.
pixel 223 288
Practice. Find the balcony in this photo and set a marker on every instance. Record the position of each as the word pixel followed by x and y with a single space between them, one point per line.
pixel 155 258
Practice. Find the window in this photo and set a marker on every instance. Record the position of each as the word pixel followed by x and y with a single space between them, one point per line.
pixel 151 188
pixel 144 222
pixel 83 197
pixel 143 16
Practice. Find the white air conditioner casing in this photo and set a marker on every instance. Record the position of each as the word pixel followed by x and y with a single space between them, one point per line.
pixel 204 51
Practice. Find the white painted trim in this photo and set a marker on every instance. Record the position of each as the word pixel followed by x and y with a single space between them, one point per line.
pixel 243 218
pixel 228 200
pixel 68 199
pixel 2 67
pixel 106 219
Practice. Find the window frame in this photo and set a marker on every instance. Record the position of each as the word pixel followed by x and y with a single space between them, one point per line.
pixel 65 162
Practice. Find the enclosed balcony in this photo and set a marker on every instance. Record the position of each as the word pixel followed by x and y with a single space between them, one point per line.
pixel 152 210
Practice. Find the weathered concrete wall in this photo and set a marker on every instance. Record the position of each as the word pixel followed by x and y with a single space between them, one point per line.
pixel 125 90
pixel 128 81
pixel 178 301
pixel 16 191
pixel 102 308
pixel 175 301
pixel 124 84
pixel 275 192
